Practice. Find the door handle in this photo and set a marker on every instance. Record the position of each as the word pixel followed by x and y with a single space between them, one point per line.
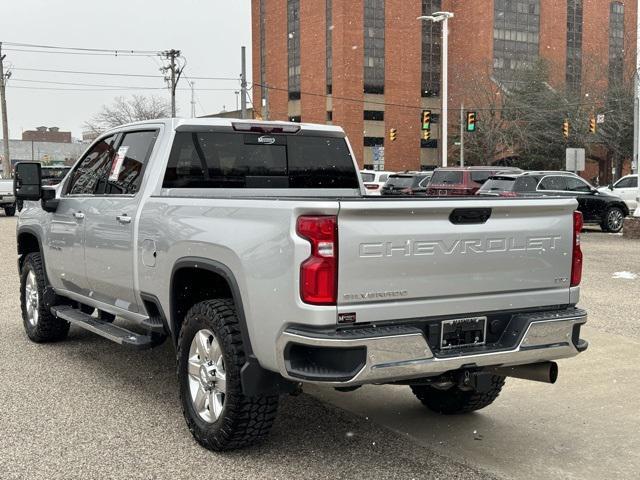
pixel 78 215
pixel 124 218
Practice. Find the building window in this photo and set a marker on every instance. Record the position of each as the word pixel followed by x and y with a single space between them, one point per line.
pixel 329 116
pixel 263 49
pixel 293 44
pixel 516 37
pixel 373 141
pixel 574 46
pixel 431 50
pixel 296 119
pixel 432 143
pixel 377 115
pixel 329 34
pixel 616 43
pixel 373 46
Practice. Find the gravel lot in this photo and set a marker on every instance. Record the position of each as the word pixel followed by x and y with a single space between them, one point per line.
pixel 86 408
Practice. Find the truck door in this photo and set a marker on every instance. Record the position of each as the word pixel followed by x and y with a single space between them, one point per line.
pixel 65 237
pixel 109 228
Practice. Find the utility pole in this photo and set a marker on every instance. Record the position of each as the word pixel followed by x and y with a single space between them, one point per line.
pixel 6 164
pixel 462 134
pixel 243 84
pixel 193 100
pixel 265 106
pixel 174 75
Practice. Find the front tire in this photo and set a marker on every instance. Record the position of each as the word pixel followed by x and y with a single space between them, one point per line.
pixel 455 400
pixel 210 357
pixel 613 220
pixel 10 211
pixel 39 324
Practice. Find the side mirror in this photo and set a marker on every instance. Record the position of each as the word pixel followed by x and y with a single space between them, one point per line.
pixel 610 186
pixel 49 202
pixel 27 181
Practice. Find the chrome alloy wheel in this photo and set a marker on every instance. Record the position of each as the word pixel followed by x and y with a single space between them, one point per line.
pixel 614 220
pixel 207 376
pixel 31 300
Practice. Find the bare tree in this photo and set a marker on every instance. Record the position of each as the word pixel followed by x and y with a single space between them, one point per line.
pixel 126 110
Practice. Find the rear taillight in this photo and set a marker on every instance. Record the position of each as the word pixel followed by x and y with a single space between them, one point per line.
pixel 371 186
pixel 576 264
pixel 507 194
pixel 319 272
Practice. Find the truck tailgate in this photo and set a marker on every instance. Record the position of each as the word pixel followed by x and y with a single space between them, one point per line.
pixel 402 259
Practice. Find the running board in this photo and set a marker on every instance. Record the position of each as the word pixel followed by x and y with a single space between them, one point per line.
pixel 107 330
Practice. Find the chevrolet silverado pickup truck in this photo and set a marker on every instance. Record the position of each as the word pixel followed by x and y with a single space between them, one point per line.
pixel 251 245
pixel 7 200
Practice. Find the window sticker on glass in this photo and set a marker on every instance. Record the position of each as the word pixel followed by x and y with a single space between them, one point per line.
pixel 116 165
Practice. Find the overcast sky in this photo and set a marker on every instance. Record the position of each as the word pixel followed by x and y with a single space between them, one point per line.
pixel 208 32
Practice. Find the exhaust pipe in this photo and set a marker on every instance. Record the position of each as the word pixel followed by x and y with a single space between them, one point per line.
pixel 546 372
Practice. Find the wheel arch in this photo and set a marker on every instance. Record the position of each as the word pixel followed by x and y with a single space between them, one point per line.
pixel 224 285
pixel 29 241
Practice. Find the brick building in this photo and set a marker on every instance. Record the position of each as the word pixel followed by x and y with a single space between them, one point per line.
pixel 369 65
pixel 46 134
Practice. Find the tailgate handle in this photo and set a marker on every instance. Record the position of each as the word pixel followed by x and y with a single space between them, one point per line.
pixel 469 216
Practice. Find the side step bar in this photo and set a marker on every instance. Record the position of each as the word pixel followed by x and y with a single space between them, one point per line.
pixel 107 330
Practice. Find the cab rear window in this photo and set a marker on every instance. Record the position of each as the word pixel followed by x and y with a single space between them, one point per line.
pixel 244 160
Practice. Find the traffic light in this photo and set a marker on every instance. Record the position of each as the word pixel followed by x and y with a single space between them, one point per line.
pixel 393 134
pixel 566 128
pixel 471 121
pixel 426 134
pixel 592 124
pixel 426 120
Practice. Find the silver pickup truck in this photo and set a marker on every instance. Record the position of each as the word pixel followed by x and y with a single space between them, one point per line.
pixel 252 246
pixel 7 200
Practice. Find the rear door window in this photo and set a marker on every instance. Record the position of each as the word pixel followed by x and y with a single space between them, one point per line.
pixel 368 177
pixel 498 185
pixel 446 176
pixel 480 176
pixel 399 182
pixel 237 160
pixel 555 183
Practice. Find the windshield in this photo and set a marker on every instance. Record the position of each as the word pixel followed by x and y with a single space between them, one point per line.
pixel 446 176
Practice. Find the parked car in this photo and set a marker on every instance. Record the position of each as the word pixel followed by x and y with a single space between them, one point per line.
pixel 7 200
pixel 625 188
pixel 374 180
pixel 457 181
pixel 597 207
pixel 253 248
pixel 53 175
pixel 408 183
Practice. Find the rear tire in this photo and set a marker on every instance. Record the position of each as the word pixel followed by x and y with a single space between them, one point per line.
pixel 10 211
pixel 210 356
pixel 39 324
pixel 612 220
pixel 454 400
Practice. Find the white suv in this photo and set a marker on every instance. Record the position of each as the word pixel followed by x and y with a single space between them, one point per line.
pixel 374 180
pixel 625 188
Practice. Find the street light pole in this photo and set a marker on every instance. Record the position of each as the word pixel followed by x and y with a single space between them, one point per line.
pixel 444 93
pixel 636 123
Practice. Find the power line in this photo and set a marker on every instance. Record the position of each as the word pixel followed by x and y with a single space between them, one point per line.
pixel 113 74
pixel 56 52
pixel 115 87
pixel 83 49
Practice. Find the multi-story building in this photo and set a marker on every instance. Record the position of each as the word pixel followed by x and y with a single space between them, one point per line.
pixel 46 134
pixel 370 66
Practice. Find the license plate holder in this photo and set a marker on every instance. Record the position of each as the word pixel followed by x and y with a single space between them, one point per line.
pixel 463 332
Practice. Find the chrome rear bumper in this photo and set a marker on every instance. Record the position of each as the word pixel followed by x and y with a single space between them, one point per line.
pixel 395 353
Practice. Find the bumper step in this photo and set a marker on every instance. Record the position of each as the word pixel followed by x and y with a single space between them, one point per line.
pixel 112 332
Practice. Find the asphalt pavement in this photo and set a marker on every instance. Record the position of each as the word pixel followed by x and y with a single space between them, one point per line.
pixel 87 408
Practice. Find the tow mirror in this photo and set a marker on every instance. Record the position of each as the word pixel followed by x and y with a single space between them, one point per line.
pixel 27 181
